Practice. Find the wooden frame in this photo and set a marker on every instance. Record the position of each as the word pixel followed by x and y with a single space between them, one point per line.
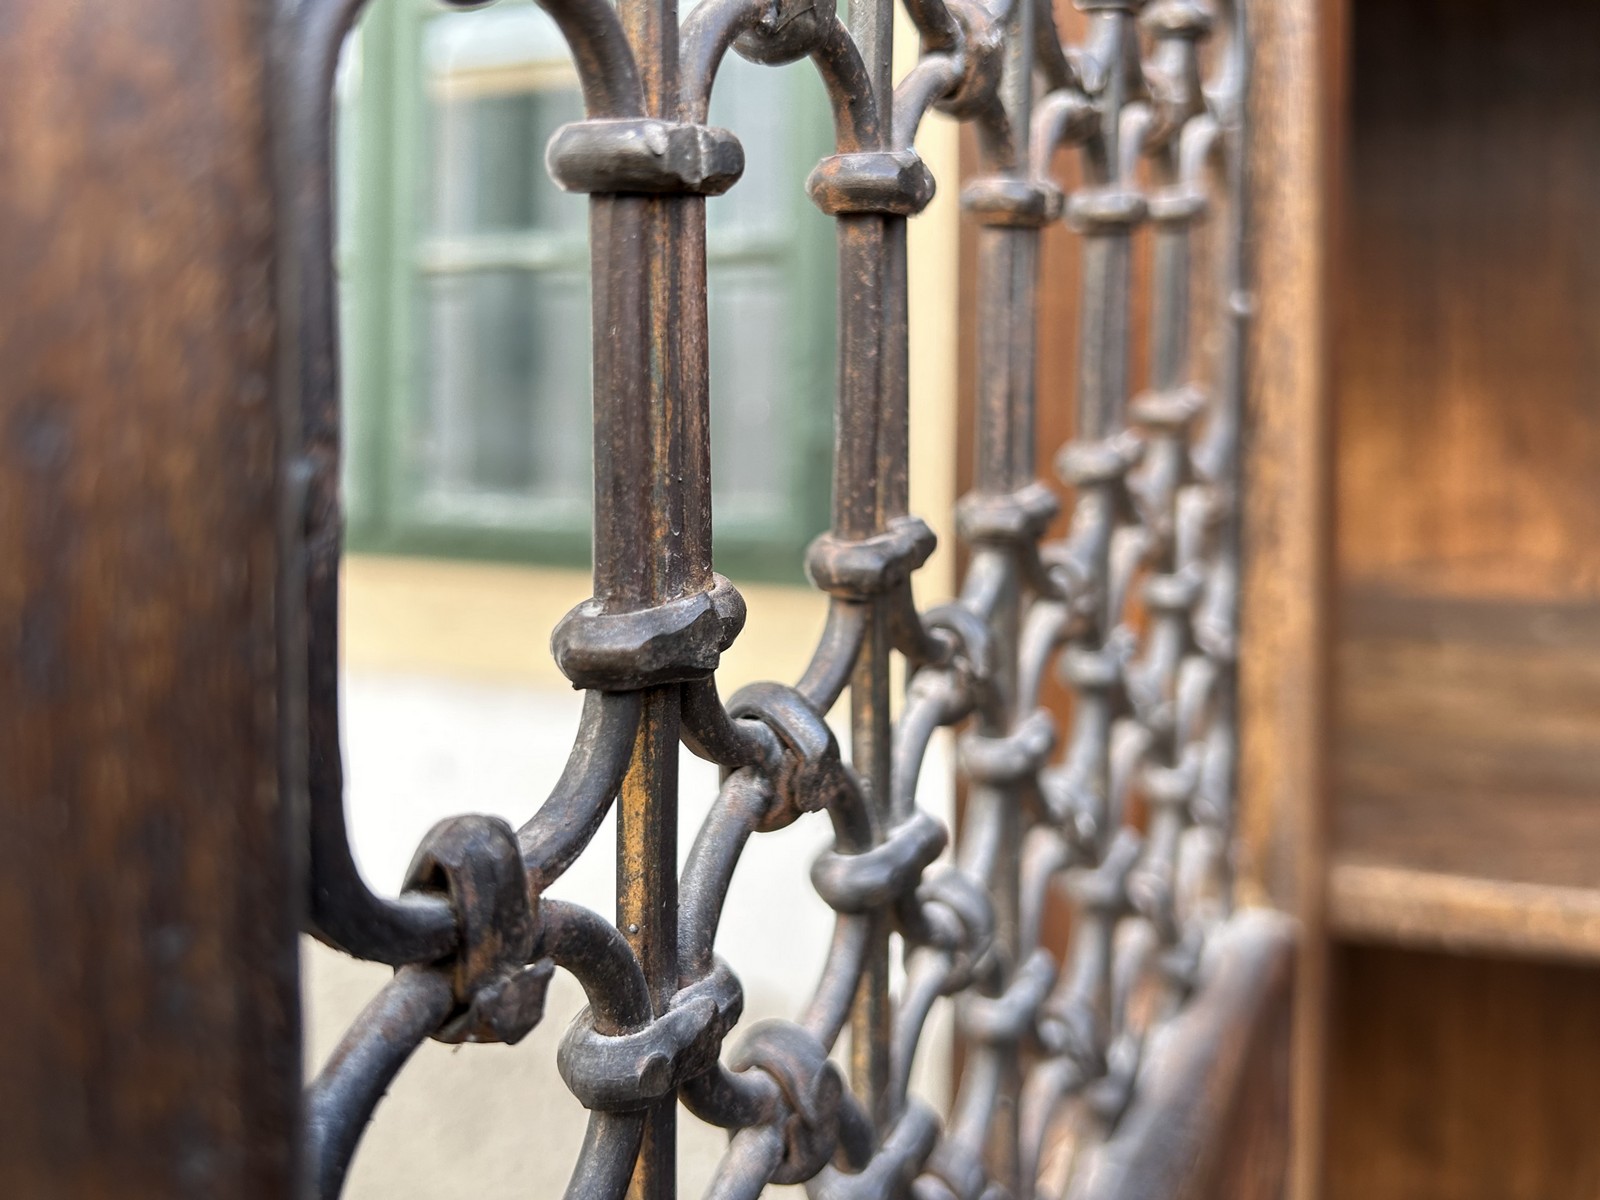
pixel 1285 603
pixel 149 911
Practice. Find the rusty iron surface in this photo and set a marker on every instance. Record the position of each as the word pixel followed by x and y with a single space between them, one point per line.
pixel 1127 812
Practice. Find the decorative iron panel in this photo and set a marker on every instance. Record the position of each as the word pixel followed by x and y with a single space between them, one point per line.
pixel 1126 809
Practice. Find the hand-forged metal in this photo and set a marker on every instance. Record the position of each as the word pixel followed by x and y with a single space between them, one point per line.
pixel 1127 812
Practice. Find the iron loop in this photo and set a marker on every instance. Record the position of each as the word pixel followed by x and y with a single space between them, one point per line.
pixel 901 1156
pixel 1017 756
pixel 672 642
pixel 812 1090
pixel 861 568
pixel 809 775
pixel 476 862
pixel 629 1071
pixel 788 31
pixel 858 883
pixel 981 43
pixel 1008 1018
pixel 961 897
pixel 974 644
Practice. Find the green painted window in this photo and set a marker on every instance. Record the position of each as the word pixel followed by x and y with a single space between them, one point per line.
pixel 465 299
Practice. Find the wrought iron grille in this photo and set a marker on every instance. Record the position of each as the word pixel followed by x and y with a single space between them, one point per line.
pixel 1127 809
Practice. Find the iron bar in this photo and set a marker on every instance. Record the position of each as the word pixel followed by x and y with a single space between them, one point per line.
pixel 1134 606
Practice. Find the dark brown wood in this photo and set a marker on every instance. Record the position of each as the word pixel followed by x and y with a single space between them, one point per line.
pixel 1469 735
pixel 1468 443
pixel 150 1044
pixel 1214 1121
pixel 1462 1077
pixel 1468 714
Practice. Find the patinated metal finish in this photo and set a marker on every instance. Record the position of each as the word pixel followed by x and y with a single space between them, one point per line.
pixel 1127 811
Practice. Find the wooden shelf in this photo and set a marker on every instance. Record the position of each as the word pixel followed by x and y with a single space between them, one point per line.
pixel 1430 910
pixel 1467 738
pixel 1467 775
pixel 1462 806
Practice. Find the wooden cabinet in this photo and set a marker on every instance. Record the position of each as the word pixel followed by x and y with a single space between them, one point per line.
pixel 1464 811
pixel 1467 451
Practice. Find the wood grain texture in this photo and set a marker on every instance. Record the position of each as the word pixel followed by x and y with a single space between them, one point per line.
pixel 149 1015
pixel 1283 668
pixel 1467 915
pixel 1463 1078
pixel 1468 420
pixel 1468 713
pixel 1284 622
pixel 1468 736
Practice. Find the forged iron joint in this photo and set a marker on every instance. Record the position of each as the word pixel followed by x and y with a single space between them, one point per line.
pixel 1169 411
pixel 862 568
pixel 809 774
pixel 859 883
pixel 673 642
pixel 982 61
pixel 964 909
pixel 1015 203
pixel 1019 517
pixel 788 31
pixel 1011 758
pixel 901 1156
pixel 630 1071
pixel 1084 464
pixel 1177 206
pixel 973 648
pixel 476 863
pixel 1089 670
pixel 1006 1019
pixel 812 1090
pixel 1175 593
pixel 644 155
pixel 887 182
pixel 1100 210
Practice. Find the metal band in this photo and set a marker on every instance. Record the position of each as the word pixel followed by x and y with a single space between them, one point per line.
pixel 645 156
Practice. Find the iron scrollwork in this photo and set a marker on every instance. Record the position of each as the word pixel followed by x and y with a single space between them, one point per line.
pixel 1128 810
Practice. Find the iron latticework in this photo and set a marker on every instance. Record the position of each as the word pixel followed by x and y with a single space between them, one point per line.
pixel 1125 811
